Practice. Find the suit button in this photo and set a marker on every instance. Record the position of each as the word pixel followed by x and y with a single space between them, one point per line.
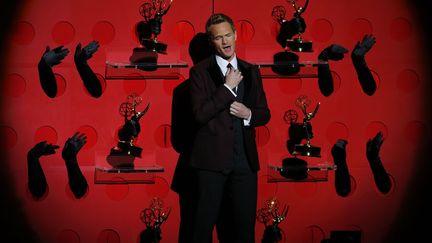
pixel 231 127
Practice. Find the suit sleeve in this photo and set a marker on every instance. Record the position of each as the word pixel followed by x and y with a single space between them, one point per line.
pixel 260 110
pixel 207 99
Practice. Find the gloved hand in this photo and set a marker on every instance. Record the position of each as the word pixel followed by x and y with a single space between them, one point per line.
pixel 361 48
pixel 42 148
pixel 77 181
pixel 373 147
pixel 381 178
pixel 342 176
pixel 89 78
pixel 73 145
pixel 84 53
pixel 338 150
pixel 333 52
pixel 54 56
pixel 364 74
pixel 37 182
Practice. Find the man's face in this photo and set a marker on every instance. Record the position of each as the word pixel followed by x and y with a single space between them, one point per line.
pixel 223 39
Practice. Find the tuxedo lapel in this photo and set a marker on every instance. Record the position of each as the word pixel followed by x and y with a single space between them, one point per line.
pixel 215 72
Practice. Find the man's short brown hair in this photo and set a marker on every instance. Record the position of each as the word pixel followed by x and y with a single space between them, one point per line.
pixel 218 18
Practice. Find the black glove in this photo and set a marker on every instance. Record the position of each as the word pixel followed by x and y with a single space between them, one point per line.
pixel 364 75
pixel 73 145
pixel 42 148
pixel 77 181
pixel 373 147
pixel 54 56
pixel 36 178
pixel 342 176
pixel 290 28
pixel 86 52
pixel 361 48
pixel 89 78
pixel 333 52
pixel 381 178
pixel 46 74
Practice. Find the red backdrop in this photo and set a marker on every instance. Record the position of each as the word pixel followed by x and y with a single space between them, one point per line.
pixel 110 213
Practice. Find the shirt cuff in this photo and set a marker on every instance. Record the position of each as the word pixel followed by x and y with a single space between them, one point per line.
pixel 235 95
pixel 246 122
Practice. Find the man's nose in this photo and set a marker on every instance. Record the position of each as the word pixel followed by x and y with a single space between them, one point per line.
pixel 224 40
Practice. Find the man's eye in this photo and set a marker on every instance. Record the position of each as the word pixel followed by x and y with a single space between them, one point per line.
pixel 218 38
pixel 228 35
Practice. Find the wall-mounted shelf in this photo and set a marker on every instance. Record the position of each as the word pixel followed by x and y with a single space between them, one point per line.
pixel 135 175
pixel 125 169
pixel 315 173
pixel 303 69
pixel 123 70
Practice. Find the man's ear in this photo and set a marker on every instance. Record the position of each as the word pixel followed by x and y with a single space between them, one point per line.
pixel 235 35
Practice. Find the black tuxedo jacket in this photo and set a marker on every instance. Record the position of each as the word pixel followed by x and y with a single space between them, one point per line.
pixel 213 146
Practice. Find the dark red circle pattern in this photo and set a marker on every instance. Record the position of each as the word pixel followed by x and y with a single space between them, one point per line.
pixel 359 28
pixel 414 132
pixel 24 33
pixel 63 33
pixel 104 32
pixel 183 32
pixel 46 133
pixel 159 189
pixel 9 137
pixel 400 29
pixel 374 127
pixel 117 192
pixel 322 30
pixel 335 131
pixel 15 85
pixel 61 84
pixel 245 31
pixel 91 134
pixel 68 236
pixel 137 86
pixel 108 236
pixel 407 81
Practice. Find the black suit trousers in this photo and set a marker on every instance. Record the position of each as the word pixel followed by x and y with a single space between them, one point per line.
pixel 231 195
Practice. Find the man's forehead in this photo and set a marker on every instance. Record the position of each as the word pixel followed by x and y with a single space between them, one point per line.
pixel 221 29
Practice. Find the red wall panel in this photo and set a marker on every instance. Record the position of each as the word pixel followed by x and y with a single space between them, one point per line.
pixel 111 212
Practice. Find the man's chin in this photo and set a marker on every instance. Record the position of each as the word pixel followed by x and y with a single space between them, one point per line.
pixel 227 56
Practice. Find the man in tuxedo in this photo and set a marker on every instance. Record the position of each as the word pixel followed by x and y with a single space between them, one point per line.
pixel 228 102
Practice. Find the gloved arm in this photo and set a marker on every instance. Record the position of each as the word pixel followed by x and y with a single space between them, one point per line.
pixel 381 178
pixel 342 176
pixel 36 178
pixel 333 52
pixel 89 78
pixel 49 59
pixel 77 181
pixel 364 75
